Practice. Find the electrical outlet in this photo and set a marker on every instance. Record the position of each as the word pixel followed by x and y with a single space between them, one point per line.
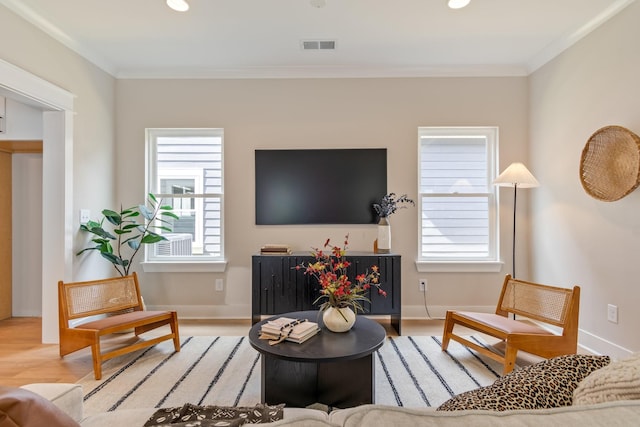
pixel 422 285
pixel 85 216
pixel 612 313
pixel 219 285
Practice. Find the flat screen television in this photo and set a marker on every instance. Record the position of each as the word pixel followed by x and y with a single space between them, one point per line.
pixel 319 186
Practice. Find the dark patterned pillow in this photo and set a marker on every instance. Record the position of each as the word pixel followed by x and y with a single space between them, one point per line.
pixel 229 416
pixel 548 384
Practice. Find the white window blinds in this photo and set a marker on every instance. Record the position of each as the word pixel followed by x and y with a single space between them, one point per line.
pixel 457 199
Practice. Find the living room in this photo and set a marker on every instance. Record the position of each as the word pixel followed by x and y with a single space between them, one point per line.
pixel 545 118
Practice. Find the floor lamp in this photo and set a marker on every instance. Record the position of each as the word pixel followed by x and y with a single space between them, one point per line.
pixel 516 176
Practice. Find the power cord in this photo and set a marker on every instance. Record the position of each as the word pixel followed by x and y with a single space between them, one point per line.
pixel 426 306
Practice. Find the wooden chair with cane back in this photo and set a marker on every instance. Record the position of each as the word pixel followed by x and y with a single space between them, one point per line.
pixel 544 306
pixel 118 305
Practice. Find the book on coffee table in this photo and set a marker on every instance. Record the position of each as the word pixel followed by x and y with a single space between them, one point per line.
pixel 289 329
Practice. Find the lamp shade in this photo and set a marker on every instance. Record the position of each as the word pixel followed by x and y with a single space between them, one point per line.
pixel 178 5
pixel 457 4
pixel 518 175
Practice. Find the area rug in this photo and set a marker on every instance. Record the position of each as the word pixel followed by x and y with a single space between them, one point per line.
pixel 410 371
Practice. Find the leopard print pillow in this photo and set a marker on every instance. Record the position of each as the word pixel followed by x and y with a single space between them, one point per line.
pixel 548 384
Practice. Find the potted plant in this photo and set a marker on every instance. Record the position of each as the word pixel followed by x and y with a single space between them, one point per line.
pixel 343 297
pixel 122 244
pixel 388 206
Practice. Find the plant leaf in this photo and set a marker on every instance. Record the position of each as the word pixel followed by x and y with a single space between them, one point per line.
pixel 132 215
pixel 87 249
pixel 99 231
pixel 170 214
pixel 105 247
pixel 100 241
pixel 120 232
pixel 113 258
pixel 148 214
pixel 152 238
pixel 113 217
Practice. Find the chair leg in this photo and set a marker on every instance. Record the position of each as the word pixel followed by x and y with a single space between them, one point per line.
pixel 510 354
pixel 97 359
pixel 448 329
pixel 176 334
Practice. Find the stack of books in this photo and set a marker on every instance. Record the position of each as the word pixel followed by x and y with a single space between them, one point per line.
pixel 288 329
pixel 275 249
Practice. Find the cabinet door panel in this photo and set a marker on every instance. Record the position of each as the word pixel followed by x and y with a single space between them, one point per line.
pixel 389 280
pixel 308 286
pixel 389 283
pixel 275 283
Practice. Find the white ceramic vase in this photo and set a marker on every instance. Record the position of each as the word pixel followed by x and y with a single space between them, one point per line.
pixel 337 322
pixel 384 236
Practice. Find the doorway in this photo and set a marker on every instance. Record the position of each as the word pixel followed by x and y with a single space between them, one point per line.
pixel 20 228
pixel 57 188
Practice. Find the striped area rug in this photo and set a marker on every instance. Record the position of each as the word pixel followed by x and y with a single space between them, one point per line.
pixel 411 371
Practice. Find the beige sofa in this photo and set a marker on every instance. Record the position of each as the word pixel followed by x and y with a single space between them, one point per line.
pixel 68 397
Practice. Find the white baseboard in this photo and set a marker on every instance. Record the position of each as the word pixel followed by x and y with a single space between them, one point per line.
pixel 207 311
pixel 597 345
pixel 419 312
pixel 594 344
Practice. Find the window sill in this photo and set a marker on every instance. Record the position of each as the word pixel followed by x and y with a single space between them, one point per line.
pixel 458 266
pixel 184 267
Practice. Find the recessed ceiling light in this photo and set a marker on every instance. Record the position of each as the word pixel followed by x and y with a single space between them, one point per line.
pixel 458 4
pixel 178 5
pixel 318 3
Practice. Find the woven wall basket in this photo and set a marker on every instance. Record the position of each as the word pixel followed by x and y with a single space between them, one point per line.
pixel 610 163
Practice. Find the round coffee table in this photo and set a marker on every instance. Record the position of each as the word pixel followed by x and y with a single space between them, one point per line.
pixel 336 369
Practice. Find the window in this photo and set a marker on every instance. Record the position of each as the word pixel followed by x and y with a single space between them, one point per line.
pixel 457 200
pixel 184 169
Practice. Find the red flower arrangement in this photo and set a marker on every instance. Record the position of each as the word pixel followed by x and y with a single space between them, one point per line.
pixel 330 269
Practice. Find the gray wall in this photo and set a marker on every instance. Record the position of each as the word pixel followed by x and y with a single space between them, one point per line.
pixel 576 238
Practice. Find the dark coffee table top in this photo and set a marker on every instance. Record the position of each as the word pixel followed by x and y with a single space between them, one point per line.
pixel 365 337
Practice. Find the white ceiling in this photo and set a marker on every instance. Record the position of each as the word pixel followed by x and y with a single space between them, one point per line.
pixel 262 38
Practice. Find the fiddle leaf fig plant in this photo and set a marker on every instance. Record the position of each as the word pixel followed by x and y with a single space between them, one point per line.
pixel 122 244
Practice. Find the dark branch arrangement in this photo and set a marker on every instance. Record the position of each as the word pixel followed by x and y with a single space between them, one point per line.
pixel 390 204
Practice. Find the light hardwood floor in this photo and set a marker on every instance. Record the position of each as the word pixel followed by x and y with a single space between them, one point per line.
pixel 24 359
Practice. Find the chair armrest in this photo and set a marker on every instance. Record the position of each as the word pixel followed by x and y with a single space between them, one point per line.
pixel 67 397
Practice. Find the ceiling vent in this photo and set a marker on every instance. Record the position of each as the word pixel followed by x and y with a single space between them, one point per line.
pixel 318 45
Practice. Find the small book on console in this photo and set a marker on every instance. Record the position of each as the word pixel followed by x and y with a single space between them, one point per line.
pixel 277 249
pixel 289 329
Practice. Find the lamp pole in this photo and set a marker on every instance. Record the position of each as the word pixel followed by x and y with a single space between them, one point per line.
pixel 516 175
pixel 513 245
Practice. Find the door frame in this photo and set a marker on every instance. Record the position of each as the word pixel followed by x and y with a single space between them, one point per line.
pixel 57 186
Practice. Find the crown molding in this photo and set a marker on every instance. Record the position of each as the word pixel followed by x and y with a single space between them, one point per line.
pixel 28 14
pixel 564 43
pixel 323 72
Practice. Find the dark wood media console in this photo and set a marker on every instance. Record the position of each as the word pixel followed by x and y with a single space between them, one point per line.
pixel 277 287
